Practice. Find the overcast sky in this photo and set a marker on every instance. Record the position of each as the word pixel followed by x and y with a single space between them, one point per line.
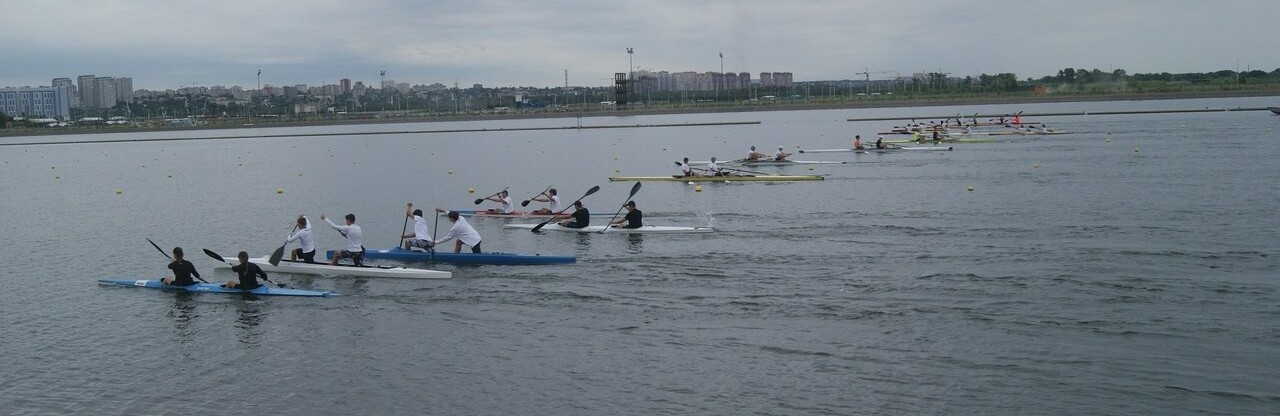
pixel 171 43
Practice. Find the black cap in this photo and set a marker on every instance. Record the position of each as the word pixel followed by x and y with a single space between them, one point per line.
pixel 631 203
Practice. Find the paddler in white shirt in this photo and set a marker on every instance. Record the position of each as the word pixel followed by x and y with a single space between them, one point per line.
pixel 552 200
pixel 308 242
pixel 462 231
pixel 780 155
pixel 421 235
pixel 754 155
pixel 504 203
pixel 355 236
pixel 685 169
pixel 714 168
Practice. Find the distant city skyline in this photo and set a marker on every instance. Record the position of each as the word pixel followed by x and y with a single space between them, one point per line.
pixel 168 45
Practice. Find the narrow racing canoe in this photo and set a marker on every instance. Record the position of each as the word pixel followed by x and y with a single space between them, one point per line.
pixel 506 259
pixel 648 229
pixel 731 178
pixel 263 290
pixel 325 269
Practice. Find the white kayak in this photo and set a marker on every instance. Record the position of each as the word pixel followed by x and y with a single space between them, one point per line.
pixel 648 229
pixel 325 269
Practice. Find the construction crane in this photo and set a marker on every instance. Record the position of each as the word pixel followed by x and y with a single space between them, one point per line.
pixel 866 73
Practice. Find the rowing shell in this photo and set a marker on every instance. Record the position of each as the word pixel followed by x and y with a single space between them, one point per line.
pixel 648 229
pixel 506 259
pixel 890 149
pixel 731 178
pixel 213 288
pixel 780 162
pixel 325 269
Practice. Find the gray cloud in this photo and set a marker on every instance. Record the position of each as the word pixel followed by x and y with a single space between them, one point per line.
pixel 165 44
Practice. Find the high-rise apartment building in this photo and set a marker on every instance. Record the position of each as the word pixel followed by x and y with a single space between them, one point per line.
pixel 124 90
pixel 105 89
pixel 88 92
pixel 42 102
pixel 345 84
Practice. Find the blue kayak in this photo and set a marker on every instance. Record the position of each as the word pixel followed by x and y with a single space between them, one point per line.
pixel 505 259
pixel 213 288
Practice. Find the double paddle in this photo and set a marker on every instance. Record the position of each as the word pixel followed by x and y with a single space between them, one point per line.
pixel 525 203
pixel 166 255
pixel 219 258
pixel 634 189
pixel 553 217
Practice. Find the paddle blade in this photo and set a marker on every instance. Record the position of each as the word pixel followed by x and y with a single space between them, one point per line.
pixel 539 226
pixel 592 191
pixel 215 256
pixel 479 200
pixel 524 203
pixel 276 256
pixel 634 189
pixel 153 244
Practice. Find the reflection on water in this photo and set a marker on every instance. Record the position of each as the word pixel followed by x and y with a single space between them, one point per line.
pixel 584 240
pixel 635 243
pixel 248 316
pixel 183 314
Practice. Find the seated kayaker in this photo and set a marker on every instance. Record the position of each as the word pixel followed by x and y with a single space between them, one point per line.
pixel 714 168
pixel 857 142
pixel 552 200
pixel 308 242
pixel 936 136
pixel 633 219
pixel 354 249
pixel 754 155
pixel 248 274
pixel 581 217
pixel 504 204
pixel 182 270
pixel 421 235
pixel 780 155
pixel 462 231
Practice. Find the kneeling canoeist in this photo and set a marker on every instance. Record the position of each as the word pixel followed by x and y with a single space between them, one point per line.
pixel 780 155
pixel 857 142
pixel 714 168
pixel 182 270
pixel 633 219
pixel 754 155
pixel 248 274
pixel 462 231
pixel 552 200
pixel 504 203
pixel 581 216
pixel 308 242
pixel 421 235
pixel 355 246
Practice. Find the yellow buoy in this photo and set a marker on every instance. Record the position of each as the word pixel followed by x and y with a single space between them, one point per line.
pixel 57 177
pixel 170 175
pixel 471 190
pixel 53 167
pixel 617 171
pixel 1035 166
pixel 450 171
pixel 279 190
pixel 1108 140
pixel 697 188
pixel 1135 150
pixel 970 188
pixel 119 191
pixel 810 168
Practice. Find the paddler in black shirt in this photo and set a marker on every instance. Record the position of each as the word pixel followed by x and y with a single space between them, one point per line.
pixel 633 219
pixel 248 273
pixel 581 217
pixel 182 270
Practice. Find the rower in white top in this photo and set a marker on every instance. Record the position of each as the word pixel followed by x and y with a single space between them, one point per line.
pixel 304 237
pixel 780 155
pixel 715 169
pixel 685 169
pixel 355 245
pixel 552 200
pixel 504 203
pixel 462 231
pixel 753 155
pixel 421 235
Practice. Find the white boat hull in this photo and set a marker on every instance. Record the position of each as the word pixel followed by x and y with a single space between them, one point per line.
pixel 325 269
pixel 648 229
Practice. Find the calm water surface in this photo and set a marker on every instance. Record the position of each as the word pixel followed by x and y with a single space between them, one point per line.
pixel 1127 268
